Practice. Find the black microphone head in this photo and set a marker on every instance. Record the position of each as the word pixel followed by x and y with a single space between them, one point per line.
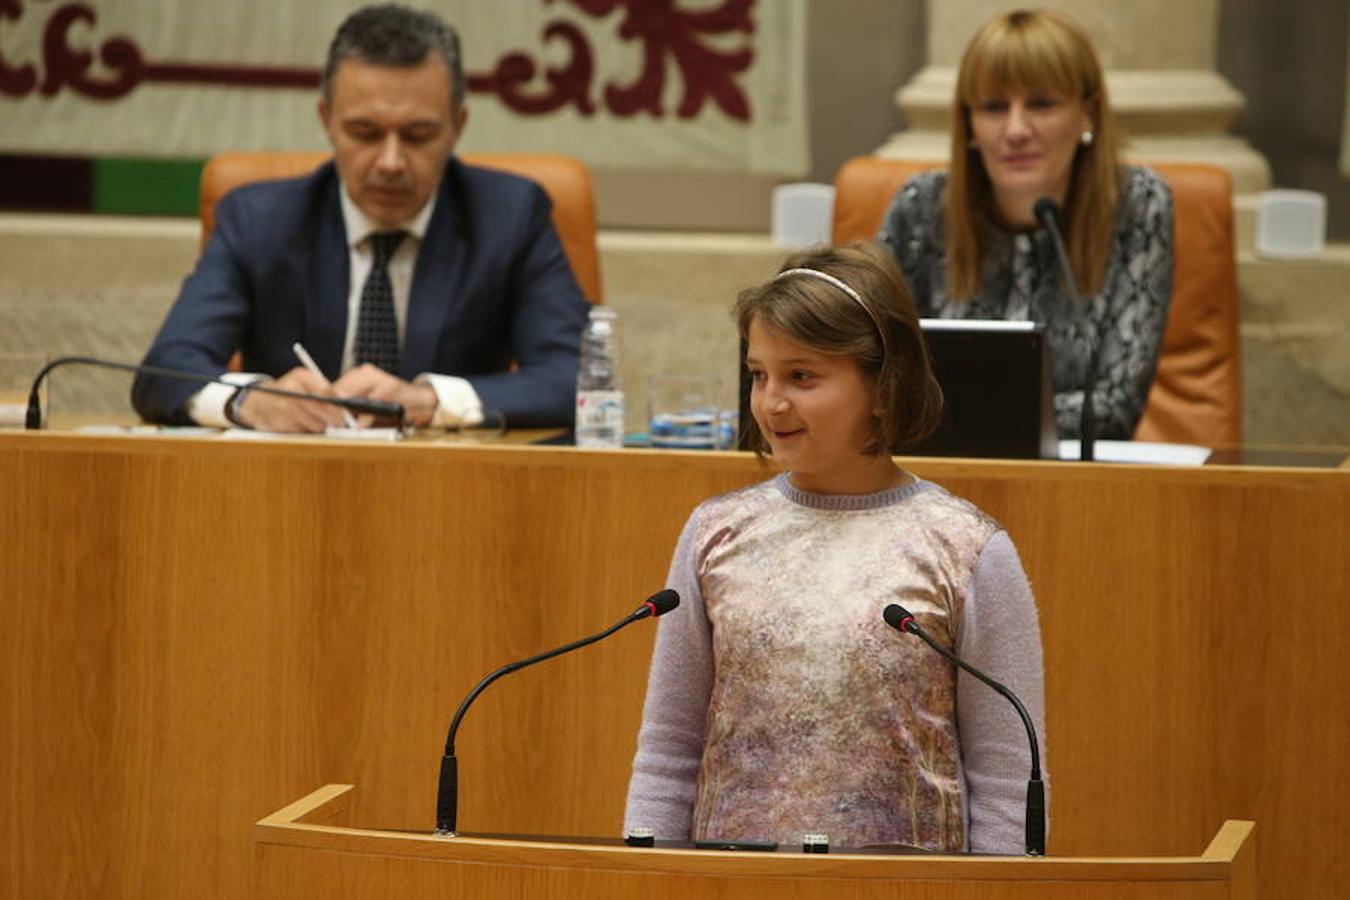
pixel 1046 211
pixel 663 602
pixel 896 616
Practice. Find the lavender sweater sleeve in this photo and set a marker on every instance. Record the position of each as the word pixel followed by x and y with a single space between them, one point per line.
pixel 670 742
pixel 1000 636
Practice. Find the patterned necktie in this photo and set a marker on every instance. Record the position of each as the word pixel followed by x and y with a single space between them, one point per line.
pixel 376 327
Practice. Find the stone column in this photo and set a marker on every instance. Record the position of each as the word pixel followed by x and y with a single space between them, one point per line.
pixel 1159 57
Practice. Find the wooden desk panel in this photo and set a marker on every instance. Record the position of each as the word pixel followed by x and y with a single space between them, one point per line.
pixel 311 851
pixel 193 633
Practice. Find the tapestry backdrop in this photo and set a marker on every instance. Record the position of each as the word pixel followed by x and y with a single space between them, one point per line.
pixel 712 85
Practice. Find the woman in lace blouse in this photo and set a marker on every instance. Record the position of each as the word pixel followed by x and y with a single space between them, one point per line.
pixel 1031 119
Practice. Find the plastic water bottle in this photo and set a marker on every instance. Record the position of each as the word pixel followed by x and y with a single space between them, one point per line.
pixel 599 389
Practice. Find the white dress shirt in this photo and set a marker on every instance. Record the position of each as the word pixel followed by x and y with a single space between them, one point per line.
pixel 457 401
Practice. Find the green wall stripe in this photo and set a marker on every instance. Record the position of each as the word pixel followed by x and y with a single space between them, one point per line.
pixel 161 187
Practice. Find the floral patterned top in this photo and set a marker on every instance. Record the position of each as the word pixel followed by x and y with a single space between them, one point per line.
pixel 780 703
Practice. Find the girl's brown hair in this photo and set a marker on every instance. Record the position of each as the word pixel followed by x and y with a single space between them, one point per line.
pixel 884 337
pixel 1033 52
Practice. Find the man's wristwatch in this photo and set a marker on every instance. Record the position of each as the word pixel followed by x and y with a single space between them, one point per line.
pixel 232 408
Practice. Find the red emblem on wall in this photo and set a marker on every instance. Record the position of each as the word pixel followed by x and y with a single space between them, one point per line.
pixel 667 35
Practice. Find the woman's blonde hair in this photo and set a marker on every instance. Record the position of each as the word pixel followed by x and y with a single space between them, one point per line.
pixel 1031 51
pixel 879 328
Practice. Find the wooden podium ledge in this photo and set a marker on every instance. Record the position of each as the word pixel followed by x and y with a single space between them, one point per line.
pixel 308 849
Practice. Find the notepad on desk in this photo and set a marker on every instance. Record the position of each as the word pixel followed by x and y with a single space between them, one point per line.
pixel 1147 452
pixel 240 434
pixel 345 434
pixel 12 413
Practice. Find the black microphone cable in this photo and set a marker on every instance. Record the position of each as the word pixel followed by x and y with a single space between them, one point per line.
pixel 1047 212
pixel 33 419
pixel 900 619
pixel 447 790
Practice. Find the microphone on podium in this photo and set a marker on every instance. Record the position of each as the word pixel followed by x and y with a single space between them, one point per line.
pixel 33 420
pixel 447 791
pixel 1047 213
pixel 901 619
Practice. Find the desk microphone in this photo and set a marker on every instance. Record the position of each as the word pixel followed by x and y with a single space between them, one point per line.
pixel 900 619
pixel 1047 213
pixel 447 790
pixel 377 408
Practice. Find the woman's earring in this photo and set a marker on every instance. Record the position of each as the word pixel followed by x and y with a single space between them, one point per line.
pixel 1086 139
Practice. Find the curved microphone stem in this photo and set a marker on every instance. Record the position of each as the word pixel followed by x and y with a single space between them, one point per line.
pixel 447 793
pixel 33 418
pixel 1047 211
pixel 897 617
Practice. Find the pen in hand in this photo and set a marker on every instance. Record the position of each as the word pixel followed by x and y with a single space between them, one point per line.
pixel 308 362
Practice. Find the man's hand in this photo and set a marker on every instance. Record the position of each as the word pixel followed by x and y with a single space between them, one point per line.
pixel 266 412
pixel 418 400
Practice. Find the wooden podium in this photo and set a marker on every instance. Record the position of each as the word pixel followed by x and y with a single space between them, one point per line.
pixel 310 850
pixel 194 633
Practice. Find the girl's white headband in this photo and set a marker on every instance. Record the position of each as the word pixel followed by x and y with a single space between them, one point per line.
pixel 827 277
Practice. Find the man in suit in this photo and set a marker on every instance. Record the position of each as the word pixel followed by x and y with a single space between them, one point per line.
pixel 407 275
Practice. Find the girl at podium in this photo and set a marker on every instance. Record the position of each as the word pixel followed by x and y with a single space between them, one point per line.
pixel 780 704
pixel 1031 120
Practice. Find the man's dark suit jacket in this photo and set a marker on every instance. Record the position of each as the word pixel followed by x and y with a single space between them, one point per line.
pixel 490 286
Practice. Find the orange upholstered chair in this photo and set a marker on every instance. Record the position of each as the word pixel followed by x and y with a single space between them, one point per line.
pixel 1197 395
pixel 566 180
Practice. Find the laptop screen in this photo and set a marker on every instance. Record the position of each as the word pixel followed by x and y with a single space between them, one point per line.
pixel 996 390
